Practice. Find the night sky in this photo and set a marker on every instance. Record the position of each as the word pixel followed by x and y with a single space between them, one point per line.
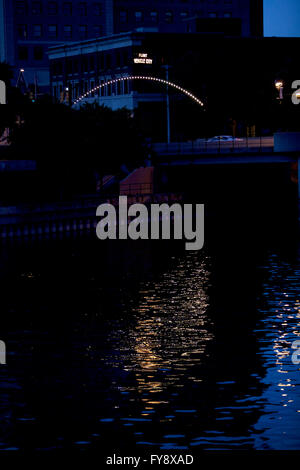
pixel 282 17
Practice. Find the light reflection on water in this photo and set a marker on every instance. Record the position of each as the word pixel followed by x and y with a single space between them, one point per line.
pixel 184 356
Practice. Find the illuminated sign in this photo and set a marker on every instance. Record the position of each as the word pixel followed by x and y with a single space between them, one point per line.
pixel 142 59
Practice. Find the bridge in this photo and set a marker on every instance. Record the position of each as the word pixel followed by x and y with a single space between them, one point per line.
pixel 283 148
pixel 204 152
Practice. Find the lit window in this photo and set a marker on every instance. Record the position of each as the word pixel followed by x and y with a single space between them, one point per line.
pixel 67 8
pixel 212 14
pixel 52 8
pixel 36 8
pixel 37 30
pixel 22 31
pixel 183 15
pixel 154 16
pixel 228 15
pixel 83 29
pixel 138 16
pixel 97 7
pixel 52 30
pixel 68 31
pixel 169 16
pixel 82 9
pixel 123 16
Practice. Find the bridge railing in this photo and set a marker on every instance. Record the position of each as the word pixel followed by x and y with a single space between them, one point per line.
pixel 209 146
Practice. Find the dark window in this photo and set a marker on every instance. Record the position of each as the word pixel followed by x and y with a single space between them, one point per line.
pixel 75 66
pixel 82 9
pixel 23 53
pixel 169 16
pixel 22 31
pixel 125 58
pixel 83 30
pixel 108 61
pixel 69 66
pixel 97 9
pixel 101 61
pixel 67 8
pixel 123 16
pixel 36 8
pixel 92 63
pixel 52 8
pixel 154 16
pixel 37 30
pixel 97 30
pixel 138 16
pixel 57 68
pixel 52 31
pixel 38 53
pixel 21 8
pixel 68 31
pixel 85 64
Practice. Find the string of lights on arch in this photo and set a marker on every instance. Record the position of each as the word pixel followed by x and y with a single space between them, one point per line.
pixel 139 77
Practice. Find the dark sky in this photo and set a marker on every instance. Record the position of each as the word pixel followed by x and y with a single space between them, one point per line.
pixel 282 17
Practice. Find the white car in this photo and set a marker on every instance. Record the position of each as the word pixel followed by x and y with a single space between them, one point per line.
pixel 224 138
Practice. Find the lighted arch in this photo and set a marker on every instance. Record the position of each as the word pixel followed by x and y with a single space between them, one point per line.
pixel 139 77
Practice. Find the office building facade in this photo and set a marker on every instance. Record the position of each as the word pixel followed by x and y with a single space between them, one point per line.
pixel 29 27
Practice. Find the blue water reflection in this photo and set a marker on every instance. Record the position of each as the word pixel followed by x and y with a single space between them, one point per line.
pixel 134 347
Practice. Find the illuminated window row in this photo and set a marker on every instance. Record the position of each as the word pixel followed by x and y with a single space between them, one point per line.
pixel 53 30
pixel 40 7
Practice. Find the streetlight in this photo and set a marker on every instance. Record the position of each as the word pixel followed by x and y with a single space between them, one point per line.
pixel 166 67
pixel 279 86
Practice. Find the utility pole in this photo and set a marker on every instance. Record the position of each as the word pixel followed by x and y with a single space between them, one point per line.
pixel 168 106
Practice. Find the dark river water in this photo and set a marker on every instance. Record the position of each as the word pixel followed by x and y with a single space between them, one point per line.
pixel 144 347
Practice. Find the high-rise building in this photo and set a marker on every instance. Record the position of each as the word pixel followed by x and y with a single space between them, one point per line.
pixel 29 27
pixel 233 17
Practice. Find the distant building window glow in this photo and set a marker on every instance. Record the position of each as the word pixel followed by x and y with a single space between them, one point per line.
pixel 68 31
pixel 37 30
pixel 138 16
pixel 154 16
pixel 52 30
pixel 169 16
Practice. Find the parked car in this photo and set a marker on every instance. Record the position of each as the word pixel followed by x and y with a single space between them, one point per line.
pixel 224 138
